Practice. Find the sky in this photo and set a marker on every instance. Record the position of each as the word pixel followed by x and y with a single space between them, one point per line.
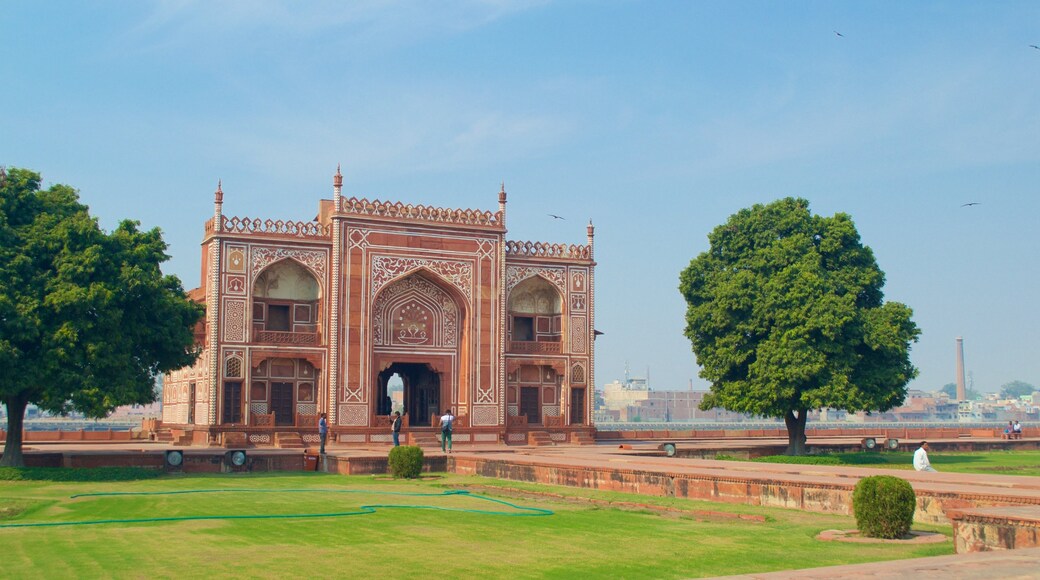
pixel 654 120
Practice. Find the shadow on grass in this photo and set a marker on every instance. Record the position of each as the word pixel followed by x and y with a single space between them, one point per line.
pixel 77 474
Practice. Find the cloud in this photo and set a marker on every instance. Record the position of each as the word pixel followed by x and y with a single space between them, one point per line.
pixel 203 24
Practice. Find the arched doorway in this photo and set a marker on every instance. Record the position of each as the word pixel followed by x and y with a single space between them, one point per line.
pixel 418 334
pixel 421 392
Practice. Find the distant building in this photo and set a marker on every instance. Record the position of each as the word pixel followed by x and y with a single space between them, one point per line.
pixel 633 400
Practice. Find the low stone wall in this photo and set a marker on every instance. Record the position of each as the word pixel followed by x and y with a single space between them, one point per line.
pixel 772 491
pixel 910 435
pixel 73 436
pixel 995 528
pixel 375 465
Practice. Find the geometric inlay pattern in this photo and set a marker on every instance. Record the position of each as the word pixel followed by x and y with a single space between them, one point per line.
pixel 313 259
pixel 485 415
pixel 578 334
pixel 517 274
pixel 353 416
pixel 386 268
pixel 235 320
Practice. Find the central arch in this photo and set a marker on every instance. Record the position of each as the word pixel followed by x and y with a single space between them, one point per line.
pixel 418 333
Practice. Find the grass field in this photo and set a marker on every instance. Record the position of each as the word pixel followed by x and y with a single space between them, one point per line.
pixel 578 539
pixel 989 462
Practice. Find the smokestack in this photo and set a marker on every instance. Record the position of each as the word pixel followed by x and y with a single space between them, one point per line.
pixel 962 393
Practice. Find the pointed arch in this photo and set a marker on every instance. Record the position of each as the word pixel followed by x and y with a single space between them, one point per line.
pixel 418 309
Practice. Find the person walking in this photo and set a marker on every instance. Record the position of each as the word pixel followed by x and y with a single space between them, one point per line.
pixel 921 462
pixel 447 422
pixel 395 428
pixel 323 432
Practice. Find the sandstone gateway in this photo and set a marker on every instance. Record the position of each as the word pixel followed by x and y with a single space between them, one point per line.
pixel 317 317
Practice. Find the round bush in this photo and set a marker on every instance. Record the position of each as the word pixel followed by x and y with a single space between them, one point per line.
pixel 884 506
pixel 406 461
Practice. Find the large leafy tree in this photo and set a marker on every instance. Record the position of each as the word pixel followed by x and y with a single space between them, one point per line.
pixel 87 319
pixel 786 314
pixel 1016 389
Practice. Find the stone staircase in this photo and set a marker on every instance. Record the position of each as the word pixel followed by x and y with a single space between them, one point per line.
pixel 582 438
pixel 288 440
pixel 424 440
pixel 539 439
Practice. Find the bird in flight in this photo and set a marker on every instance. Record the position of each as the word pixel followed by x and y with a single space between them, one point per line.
pixel 552 215
pixel 1034 46
pixel 839 34
pixel 970 203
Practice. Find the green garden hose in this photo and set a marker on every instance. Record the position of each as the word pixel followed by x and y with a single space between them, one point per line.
pixel 364 509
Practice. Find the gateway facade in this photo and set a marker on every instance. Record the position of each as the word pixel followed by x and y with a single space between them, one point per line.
pixel 379 306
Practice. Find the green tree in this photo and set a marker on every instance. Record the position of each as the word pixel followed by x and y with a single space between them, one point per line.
pixel 87 319
pixel 1016 389
pixel 951 391
pixel 786 314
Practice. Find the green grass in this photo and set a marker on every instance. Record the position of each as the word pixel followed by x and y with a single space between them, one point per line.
pixel 988 462
pixel 580 538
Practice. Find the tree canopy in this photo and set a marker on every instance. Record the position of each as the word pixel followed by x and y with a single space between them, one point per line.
pixel 786 314
pixel 1016 389
pixel 951 391
pixel 87 319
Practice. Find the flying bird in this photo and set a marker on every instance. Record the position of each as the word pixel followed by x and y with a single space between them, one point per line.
pixel 839 34
pixel 970 203
pixel 552 215
pixel 1034 46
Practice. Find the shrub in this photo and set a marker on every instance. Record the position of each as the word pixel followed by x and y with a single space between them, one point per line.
pixel 884 506
pixel 406 461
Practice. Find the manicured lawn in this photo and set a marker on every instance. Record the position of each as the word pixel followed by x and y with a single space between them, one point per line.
pixel 991 462
pixel 403 537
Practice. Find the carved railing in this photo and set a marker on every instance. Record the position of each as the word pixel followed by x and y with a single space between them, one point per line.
pixel 279 227
pixel 282 337
pixel 518 421
pixel 546 250
pixel 535 347
pixel 262 420
pixel 400 210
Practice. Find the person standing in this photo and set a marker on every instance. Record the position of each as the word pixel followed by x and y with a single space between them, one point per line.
pixel 921 462
pixel 323 432
pixel 447 422
pixel 395 428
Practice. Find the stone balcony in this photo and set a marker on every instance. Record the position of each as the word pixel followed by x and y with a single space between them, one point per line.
pixel 290 338
pixel 536 347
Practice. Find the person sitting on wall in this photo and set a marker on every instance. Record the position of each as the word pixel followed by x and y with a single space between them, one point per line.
pixel 921 462
pixel 1017 430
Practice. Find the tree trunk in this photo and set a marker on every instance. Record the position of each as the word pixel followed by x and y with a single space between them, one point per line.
pixel 15 418
pixel 796 431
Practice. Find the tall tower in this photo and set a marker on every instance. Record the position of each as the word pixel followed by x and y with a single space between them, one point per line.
pixel 961 391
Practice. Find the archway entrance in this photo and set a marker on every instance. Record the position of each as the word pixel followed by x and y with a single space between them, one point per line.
pixel 421 392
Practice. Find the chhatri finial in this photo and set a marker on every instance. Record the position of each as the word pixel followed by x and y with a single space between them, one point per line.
pixel 337 180
pixel 218 195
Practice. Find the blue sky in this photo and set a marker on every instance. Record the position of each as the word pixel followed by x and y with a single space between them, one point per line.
pixel 656 120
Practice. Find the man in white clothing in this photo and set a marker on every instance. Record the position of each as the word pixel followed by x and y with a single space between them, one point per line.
pixel 921 458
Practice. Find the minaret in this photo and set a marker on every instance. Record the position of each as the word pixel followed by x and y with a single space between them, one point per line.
pixel 332 378
pixel 962 393
pixel 213 303
pixel 502 204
